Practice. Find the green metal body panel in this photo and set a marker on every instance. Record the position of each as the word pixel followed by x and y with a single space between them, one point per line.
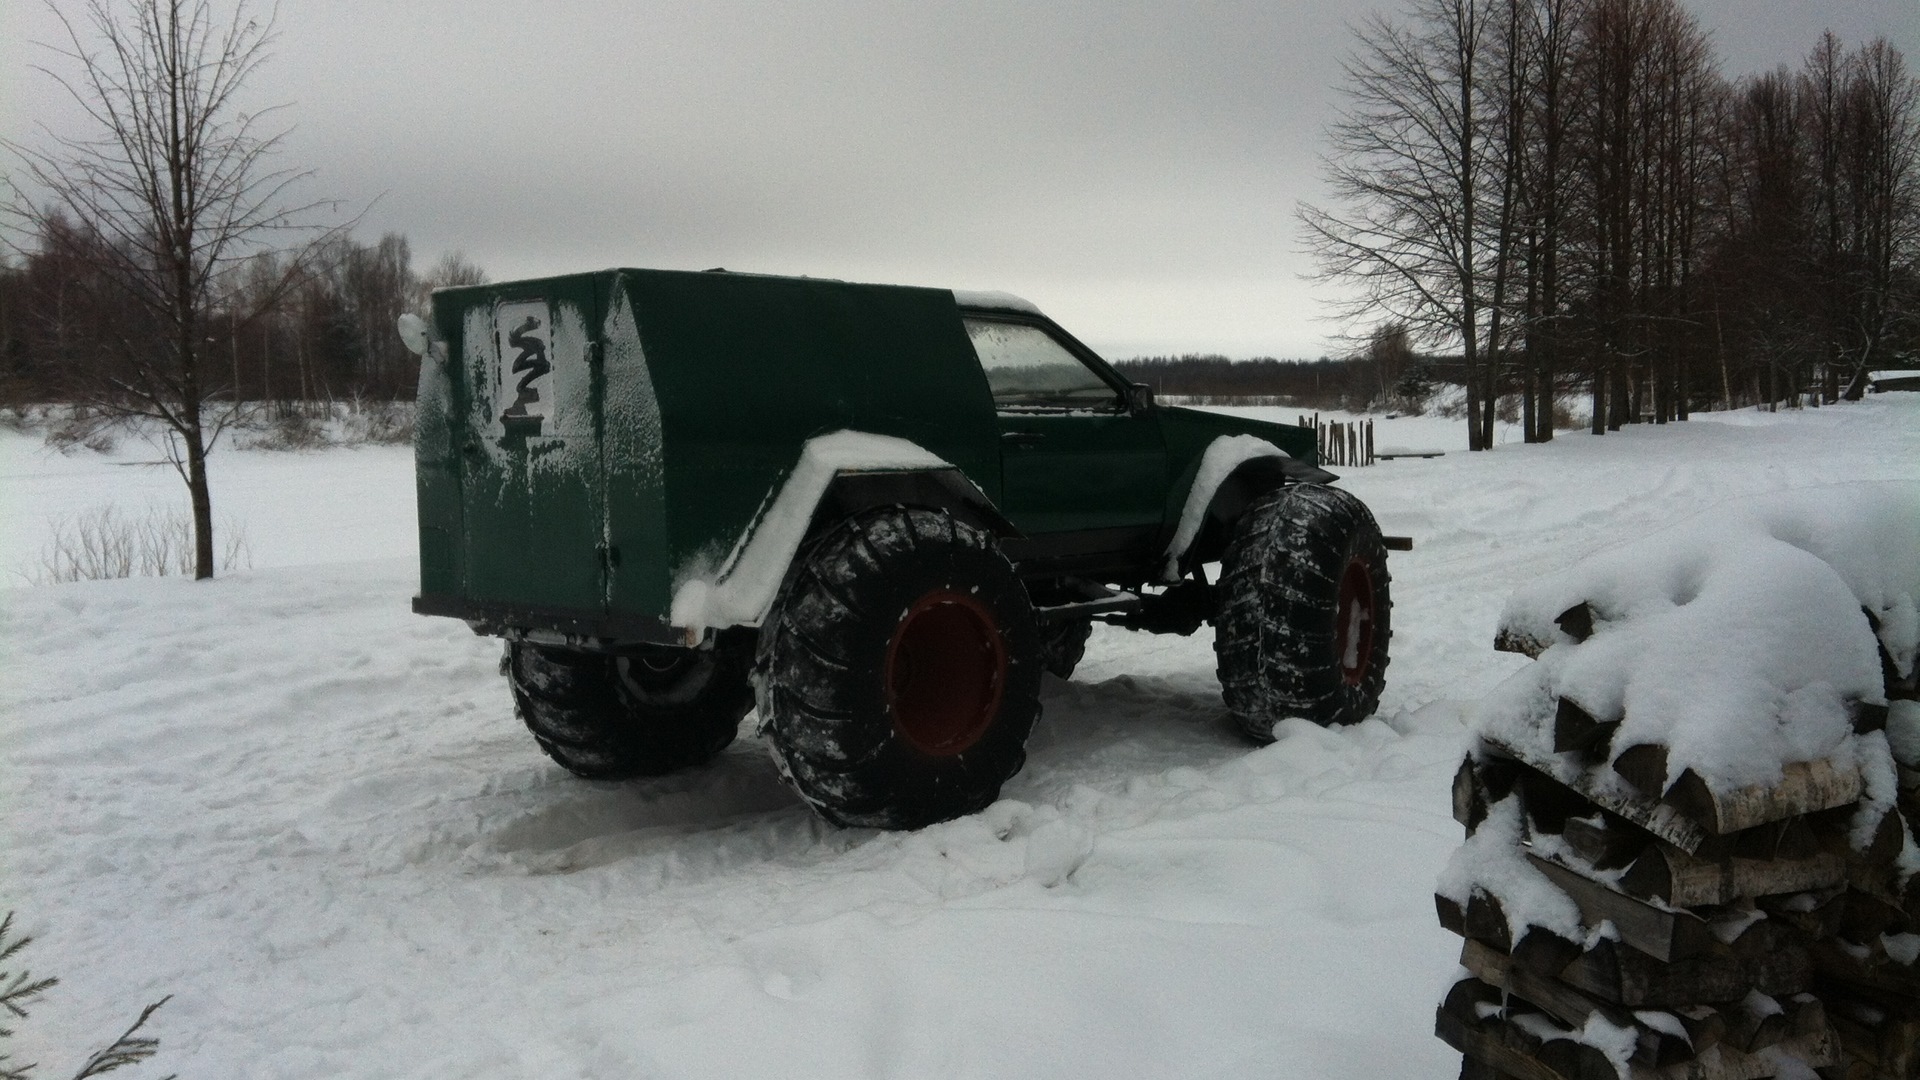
pixel 586 443
pixel 1069 472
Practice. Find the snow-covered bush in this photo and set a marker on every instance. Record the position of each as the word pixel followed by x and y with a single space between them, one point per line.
pixel 79 427
pixel 387 423
pixel 293 431
pixel 106 542
pixel 25 419
pixel 318 425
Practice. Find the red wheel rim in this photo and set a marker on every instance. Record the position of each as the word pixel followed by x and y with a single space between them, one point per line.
pixel 945 669
pixel 1353 626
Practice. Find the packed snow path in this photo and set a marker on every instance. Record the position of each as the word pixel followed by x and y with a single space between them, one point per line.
pixel 311 816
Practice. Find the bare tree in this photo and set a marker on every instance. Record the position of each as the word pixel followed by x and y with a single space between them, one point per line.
pixel 451 269
pixel 1557 185
pixel 1424 229
pixel 1767 236
pixel 1644 98
pixel 174 189
pixel 1879 166
pixel 1389 354
pixel 1822 87
pixel 1543 33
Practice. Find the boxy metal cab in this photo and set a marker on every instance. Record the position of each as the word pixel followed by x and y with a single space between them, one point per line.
pixel 584 438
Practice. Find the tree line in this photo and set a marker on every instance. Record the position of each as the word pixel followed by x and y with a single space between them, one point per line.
pixel 1386 373
pixel 1570 193
pixel 306 326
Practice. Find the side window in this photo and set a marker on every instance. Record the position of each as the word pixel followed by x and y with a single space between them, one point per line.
pixel 1028 368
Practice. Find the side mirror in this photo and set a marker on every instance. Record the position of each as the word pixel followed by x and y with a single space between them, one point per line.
pixel 413 332
pixel 1139 398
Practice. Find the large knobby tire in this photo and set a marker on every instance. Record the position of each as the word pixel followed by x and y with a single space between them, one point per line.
pixel 646 712
pixel 899 670
pixel 1063 645
pixel 1304 612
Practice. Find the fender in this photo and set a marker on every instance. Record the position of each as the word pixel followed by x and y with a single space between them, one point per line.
pixel 947 488
pixel 1234 471
pixel 837 475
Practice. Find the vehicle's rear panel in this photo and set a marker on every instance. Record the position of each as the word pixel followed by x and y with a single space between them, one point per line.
pixel 522 447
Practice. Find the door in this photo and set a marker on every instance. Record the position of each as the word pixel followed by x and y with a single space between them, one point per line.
pixel 532 481
pixel 1075 464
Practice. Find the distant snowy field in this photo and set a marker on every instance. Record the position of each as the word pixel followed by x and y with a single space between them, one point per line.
pixel 311 816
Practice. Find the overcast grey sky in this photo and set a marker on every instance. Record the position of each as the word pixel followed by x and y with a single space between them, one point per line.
pixel 1130 165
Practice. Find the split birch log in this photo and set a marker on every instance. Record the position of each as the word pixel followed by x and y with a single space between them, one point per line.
pixel 1865 917
pixel 1576 622
pixel 1671 876
pixel 1875 1039
pixel 1475 1069
pixel 1623 975
pixel 1645 767
pixel 1805 787
pixel 1757 1021
pixel 1469 1022
pixel 1508 1048
pixel 1478 784
pixel 1650 814
pixel 1818 913
pixel 1663 934
pixel 1687 813
pixel 1867 967
pixel 1482 919
pixel 1654 1049
pixel 1575 730
pixel 1723 1062
pixel 1605 844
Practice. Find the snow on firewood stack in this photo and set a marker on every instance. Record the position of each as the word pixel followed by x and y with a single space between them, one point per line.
pixel 1689 848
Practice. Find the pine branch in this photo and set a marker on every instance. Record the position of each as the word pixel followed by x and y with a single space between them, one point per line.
pixel 17 989
pixel 128 1049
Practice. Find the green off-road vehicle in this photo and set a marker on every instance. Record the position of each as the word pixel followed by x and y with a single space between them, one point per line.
pixel 878 513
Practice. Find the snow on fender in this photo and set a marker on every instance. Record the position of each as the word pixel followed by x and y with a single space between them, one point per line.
pixel 742 589
pixel 1223 455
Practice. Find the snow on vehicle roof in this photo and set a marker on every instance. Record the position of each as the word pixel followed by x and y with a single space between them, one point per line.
pixel 994 301
pixel 1735 640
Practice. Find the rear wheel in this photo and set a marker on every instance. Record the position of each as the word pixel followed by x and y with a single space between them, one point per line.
pixel 641 713
pixel 899 671
pixel 1304 611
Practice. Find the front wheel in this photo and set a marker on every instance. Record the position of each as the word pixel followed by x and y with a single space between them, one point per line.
pixel 899 670
pixel 1304 611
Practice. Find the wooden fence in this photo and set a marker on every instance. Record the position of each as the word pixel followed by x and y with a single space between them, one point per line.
pixel 1342 442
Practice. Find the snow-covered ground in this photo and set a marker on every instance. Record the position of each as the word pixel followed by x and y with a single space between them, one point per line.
pixel 293 509
pixel 312 818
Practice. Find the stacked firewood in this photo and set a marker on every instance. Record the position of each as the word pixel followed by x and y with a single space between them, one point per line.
pixel 1622 922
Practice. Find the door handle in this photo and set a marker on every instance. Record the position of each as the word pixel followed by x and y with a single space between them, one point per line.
pixel 1021 438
